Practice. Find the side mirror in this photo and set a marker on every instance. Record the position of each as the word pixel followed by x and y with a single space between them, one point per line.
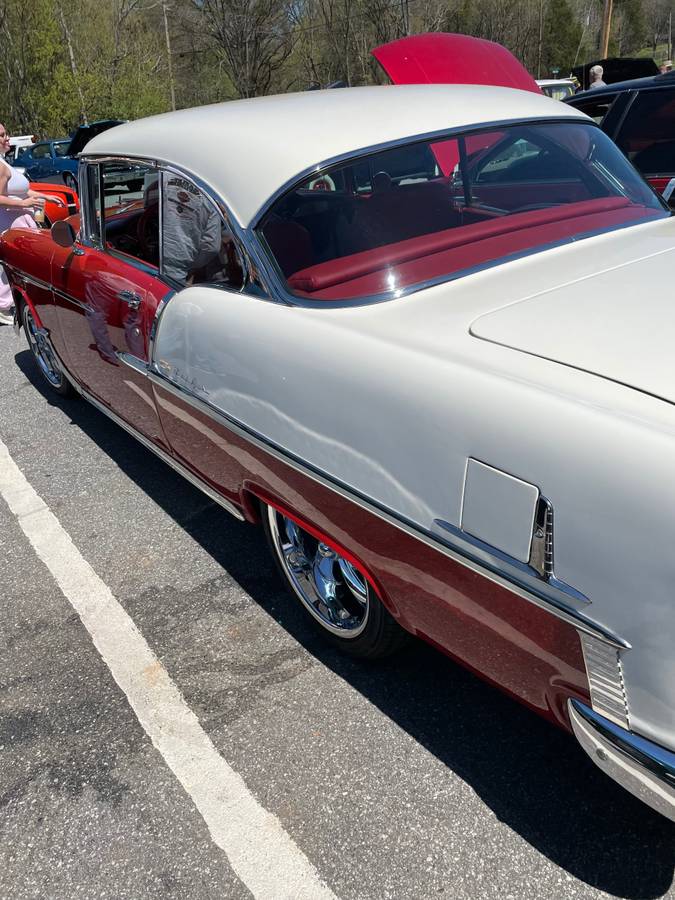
pixel 63 233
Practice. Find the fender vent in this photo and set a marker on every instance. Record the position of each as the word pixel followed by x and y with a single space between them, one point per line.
pixel 605 679
pixel 541 549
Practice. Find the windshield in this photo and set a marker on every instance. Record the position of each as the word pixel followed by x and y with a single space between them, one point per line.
pixel 428 210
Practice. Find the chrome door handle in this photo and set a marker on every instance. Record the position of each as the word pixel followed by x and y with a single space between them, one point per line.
pixel 131 298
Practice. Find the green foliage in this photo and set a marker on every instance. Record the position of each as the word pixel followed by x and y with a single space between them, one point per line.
pixel 65 61
pixel 561 39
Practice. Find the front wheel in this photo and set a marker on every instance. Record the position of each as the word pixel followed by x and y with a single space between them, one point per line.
pixel 70 181
pixel 43 354
pixel 335 594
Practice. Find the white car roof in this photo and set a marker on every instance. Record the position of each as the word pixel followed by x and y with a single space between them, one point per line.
pixel 246 150
pixel 547 82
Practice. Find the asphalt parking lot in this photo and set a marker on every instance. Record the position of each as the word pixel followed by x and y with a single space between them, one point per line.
pixel 409 779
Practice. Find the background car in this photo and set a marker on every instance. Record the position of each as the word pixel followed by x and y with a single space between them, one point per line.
pixel 557 88
pixel 616 68
pixel 69 206
pixel 58 158
pixel 17 144
pixel 639 115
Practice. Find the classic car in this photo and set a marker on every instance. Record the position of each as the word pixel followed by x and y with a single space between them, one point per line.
pixel 54 211
pixel 558 88
pixel 46 159
pixel 639 115
pixel 426 344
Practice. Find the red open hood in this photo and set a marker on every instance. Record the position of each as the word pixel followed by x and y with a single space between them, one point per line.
pixel 452 59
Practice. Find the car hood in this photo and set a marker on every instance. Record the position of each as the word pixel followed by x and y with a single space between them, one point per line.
pixel 452 59
pixel 617 324
pixel 82 135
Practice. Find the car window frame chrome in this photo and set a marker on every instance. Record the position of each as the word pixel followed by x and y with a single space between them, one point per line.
pixel 373 149
pixel 250 257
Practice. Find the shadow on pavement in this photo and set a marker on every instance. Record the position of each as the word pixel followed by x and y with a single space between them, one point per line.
pixel 535 778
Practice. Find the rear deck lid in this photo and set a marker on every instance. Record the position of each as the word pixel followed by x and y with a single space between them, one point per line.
pixel 618 324
pixel 452 59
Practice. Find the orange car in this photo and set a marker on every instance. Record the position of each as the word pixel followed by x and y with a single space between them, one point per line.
pixel 54 212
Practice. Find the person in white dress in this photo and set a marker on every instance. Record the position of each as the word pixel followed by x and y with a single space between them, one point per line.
pixel 17 202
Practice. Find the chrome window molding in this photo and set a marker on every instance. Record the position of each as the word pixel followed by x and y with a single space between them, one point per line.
pixel 248 253
pixel 291 299
pixel 548 596
pixel 317 169
pixel 371 299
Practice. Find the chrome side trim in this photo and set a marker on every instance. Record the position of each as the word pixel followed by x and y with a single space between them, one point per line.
pixel 70 299
pixel 210 492
pixel 37 282
pixel 521 573
pixel 642 767
pixel 545 595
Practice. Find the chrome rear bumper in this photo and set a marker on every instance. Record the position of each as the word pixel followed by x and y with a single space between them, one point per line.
pixel 640 766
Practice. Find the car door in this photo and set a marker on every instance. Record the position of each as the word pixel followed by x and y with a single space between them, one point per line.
pixel 197 247
pixel 108 289
pixel 647 137
pixel 40 160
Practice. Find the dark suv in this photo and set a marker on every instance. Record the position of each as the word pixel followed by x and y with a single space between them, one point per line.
pixel 639 115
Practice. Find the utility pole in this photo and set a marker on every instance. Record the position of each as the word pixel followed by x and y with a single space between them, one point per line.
pixel 541 37
pixel 168 55
pixel 606 28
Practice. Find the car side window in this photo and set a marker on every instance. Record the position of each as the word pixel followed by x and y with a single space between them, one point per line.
pixel 647 135
pixel 598 108
pixel 125 204
pixel 41 151
pixel 197 244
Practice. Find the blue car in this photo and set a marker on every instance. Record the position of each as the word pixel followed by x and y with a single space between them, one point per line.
pixel 56 160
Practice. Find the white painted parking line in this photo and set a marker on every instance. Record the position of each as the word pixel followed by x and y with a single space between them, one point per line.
pixel 261 853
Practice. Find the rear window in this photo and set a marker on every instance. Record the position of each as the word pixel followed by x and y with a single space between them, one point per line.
pixel 647 136
pixel 424 212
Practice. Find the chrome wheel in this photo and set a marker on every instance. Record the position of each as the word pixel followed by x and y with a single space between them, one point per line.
pixel 42 351
pixel 330 588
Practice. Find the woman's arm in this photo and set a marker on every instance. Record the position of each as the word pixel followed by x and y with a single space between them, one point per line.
pixel 36 195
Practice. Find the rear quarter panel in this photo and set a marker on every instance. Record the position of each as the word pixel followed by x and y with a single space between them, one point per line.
pixel 392 399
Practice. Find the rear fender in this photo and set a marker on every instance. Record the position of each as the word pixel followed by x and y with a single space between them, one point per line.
pixel 266 498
